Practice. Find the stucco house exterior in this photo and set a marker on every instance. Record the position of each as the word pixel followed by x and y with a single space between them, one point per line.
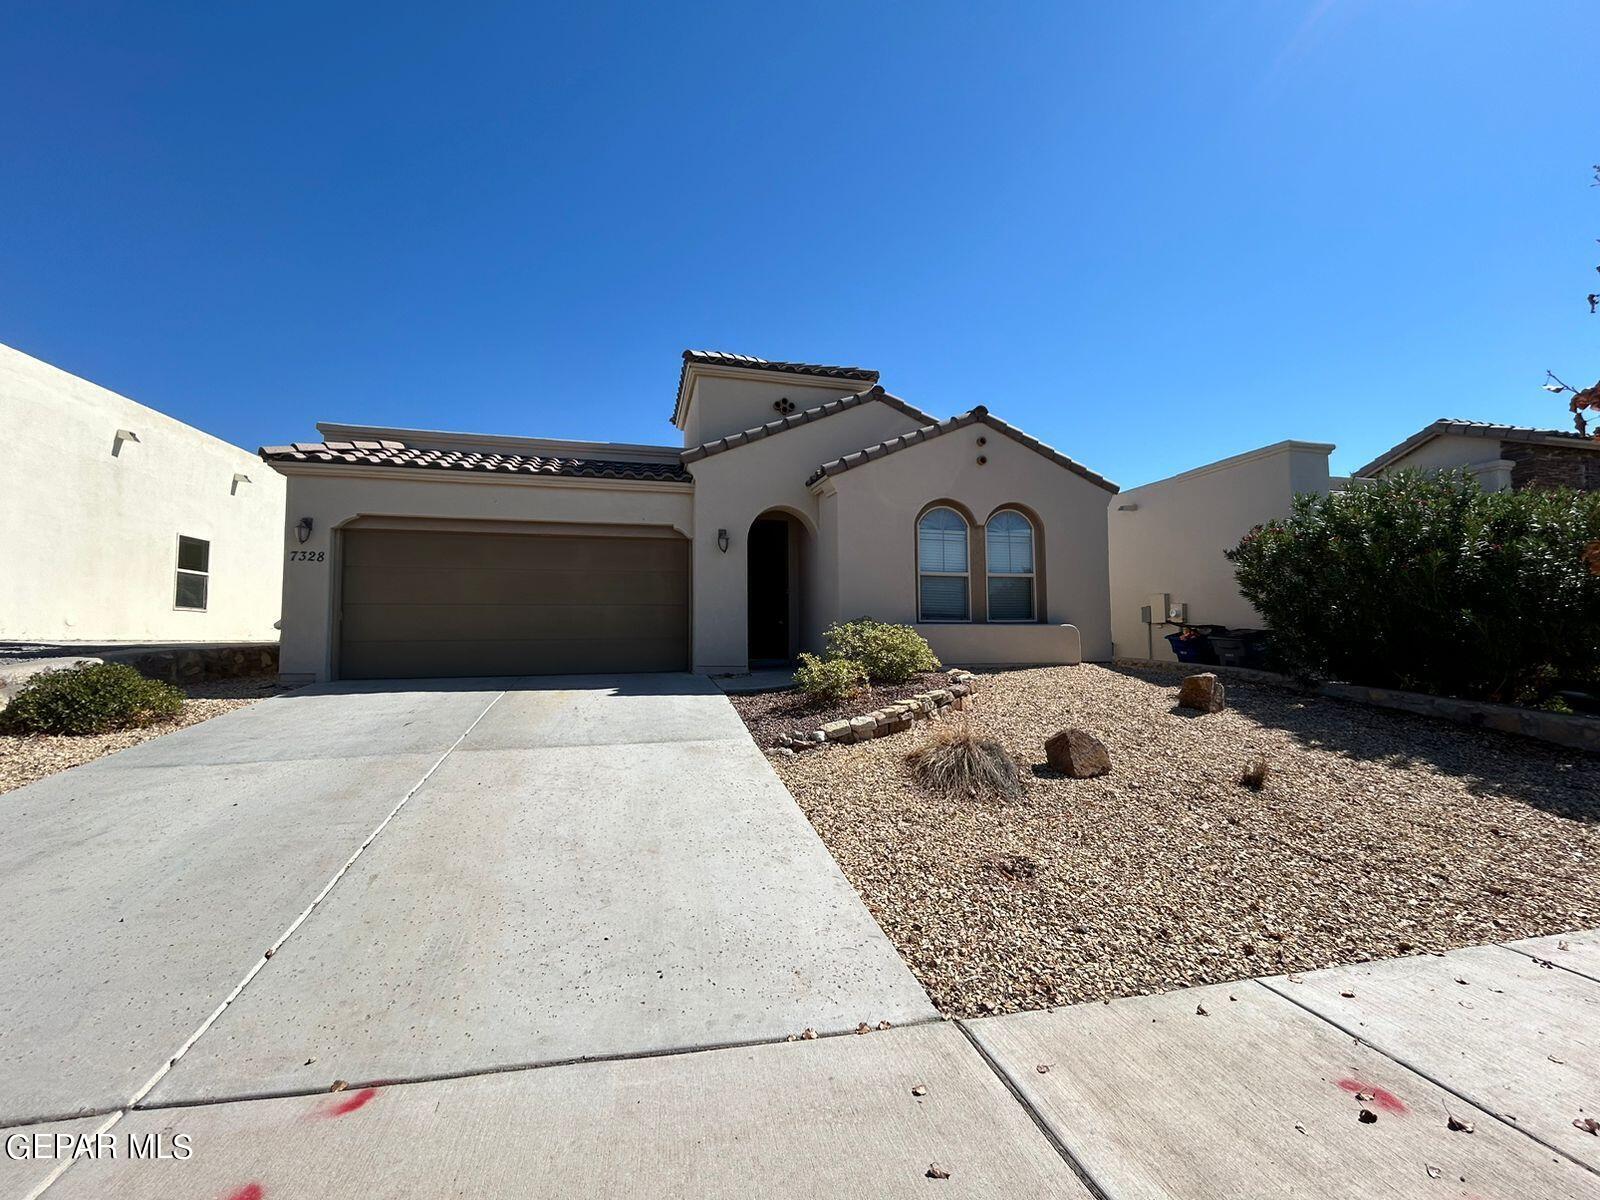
pixel 1502 457
pixel 122 524
pixel 801 494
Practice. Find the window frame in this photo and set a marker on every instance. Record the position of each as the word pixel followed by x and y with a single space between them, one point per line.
pixel 179 571
pixel 1032 576
pixel 964 576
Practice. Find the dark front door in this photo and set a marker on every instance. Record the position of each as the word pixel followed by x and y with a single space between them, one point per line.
pixel 769 591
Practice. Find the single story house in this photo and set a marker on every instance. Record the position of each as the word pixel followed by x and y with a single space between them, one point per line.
pixel 1502 457
pixel 802 494
pixel 122 524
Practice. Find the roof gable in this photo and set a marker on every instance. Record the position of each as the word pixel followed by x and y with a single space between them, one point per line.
pixel 927 433
pixel 826 409
pixel 1451 426
pixel 746 362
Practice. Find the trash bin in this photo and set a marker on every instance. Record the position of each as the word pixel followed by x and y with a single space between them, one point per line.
pixel 1192 644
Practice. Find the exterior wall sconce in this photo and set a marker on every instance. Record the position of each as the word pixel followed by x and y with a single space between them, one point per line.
pixel 303 530
pixel 722 540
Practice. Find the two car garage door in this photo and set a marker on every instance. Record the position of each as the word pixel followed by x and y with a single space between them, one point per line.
pixel 422 603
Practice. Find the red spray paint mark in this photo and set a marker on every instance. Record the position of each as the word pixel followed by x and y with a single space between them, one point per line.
pixel 1384 1099
pixel 352 1102
pixel 250 1191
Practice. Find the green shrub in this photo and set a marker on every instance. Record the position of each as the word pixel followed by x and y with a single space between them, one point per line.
pixel 888 653
pixel 1428 583
pixel 829 679
pixel 93 698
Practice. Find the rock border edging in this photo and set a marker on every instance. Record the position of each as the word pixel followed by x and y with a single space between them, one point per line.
pixel 890 719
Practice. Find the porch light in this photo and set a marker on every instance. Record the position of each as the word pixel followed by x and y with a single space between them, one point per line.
pixel 722 540
pixel 303 529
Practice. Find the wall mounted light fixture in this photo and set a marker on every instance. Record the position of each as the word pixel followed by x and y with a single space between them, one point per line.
pixel 722 540
pixel 303 529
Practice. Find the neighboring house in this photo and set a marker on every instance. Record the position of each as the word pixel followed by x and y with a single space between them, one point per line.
pixel 1168 538
pixel 802 495
pixel 124 525
pixel 1503 457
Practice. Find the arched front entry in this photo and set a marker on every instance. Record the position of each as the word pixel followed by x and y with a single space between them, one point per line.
pixel 778 549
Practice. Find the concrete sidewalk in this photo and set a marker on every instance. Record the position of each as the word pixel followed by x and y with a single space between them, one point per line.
pixel 1217 1093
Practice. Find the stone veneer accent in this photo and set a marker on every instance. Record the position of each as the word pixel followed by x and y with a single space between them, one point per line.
pixel 1553 466
pixel 890 719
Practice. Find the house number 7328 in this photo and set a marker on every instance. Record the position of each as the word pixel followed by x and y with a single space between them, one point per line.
pixel 306 555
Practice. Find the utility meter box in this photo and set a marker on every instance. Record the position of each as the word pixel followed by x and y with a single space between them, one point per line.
pixel 1164 610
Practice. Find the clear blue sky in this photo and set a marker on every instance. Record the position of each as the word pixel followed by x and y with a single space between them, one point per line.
pixel 1151 235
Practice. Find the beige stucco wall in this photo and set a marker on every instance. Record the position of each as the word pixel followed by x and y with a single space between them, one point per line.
pixel 733 488
pixel 874 510
pixel 334 499
pixel 91 526
pixel 1479 455
pixel 1173 540
pixel 724 401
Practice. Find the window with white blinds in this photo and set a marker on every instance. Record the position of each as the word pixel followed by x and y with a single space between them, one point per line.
pixel 942 566
pixel 1008 551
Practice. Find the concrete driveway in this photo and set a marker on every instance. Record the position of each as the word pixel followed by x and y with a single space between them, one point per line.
pixel 402 881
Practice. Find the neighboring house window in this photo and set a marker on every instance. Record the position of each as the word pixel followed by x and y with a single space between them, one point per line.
pixel 942 566
pixel 1008 542
pixel 194 572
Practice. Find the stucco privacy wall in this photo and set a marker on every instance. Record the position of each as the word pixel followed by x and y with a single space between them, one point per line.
pixel 1172 539
pixel 734 488
pixel 874 510
pixel 333 499
pixel 90 522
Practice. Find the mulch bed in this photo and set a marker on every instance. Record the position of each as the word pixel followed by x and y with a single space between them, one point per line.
pixel 770 716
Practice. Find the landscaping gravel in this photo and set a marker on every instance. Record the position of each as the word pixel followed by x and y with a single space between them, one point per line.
pixel 1376 834
pixel 25 759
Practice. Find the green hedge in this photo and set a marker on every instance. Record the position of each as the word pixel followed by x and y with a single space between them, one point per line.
pixel 93 698
pixel 1428 583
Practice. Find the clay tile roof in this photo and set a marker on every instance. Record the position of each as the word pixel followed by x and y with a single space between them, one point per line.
pixel 826 409
pixel 928 432
pixel 398 454
pixel 1484 429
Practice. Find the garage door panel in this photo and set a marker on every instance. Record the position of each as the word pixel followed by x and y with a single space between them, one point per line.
pixel 562 656
pixel 477 622
pixel 509 585
pixel 441 603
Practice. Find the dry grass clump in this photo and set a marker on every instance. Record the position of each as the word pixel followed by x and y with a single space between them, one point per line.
pixel 955 761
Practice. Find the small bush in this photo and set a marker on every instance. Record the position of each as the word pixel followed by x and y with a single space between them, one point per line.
pixel 829 679
pixel 888 653
pixel 93 698
pixel 954 760
pixel 1428 583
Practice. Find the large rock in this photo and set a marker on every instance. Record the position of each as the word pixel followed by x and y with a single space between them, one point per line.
pixel 1078 754
pixel 1203 692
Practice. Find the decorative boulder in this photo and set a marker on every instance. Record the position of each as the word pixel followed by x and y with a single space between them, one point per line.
pixel 1203 692
pixel 1077 754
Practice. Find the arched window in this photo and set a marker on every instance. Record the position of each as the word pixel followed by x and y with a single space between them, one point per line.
pixel 942 566
pixel 1008 544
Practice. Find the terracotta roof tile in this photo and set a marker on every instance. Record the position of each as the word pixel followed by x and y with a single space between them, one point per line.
pixel 398 454
pixel 721 358
pixel 928 432
pixel 826 409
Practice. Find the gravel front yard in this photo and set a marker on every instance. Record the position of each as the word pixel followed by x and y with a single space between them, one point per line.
pixel 1377 834
pixel 25 759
